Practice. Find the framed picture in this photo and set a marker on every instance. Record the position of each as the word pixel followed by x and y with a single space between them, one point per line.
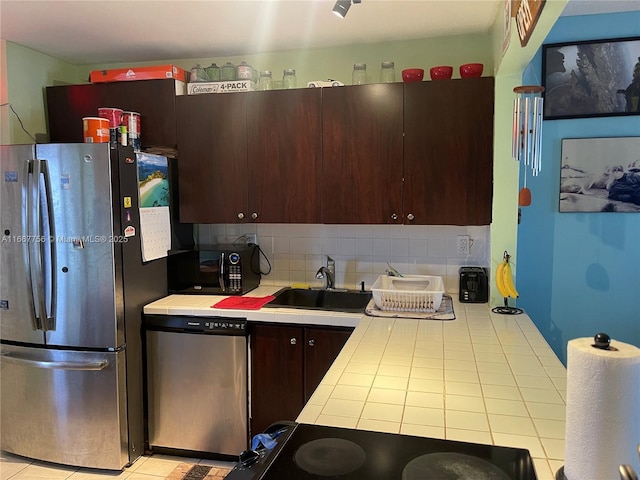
pixel 597 78
pixel 600 175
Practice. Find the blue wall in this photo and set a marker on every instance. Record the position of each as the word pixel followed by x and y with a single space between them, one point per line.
pixel 579 273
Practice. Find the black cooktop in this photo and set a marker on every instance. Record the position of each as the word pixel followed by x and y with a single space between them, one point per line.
pixel 319 452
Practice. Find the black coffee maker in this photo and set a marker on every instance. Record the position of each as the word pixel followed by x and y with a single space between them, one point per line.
pixel 474 285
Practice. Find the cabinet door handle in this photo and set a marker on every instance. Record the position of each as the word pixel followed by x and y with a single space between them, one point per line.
pixel 293 341
pixel 312 343
pixel 240 215
pixel 254 215
pixel 410 216
pixel 394 216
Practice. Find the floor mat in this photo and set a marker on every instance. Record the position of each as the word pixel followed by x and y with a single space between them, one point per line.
pixel 189 471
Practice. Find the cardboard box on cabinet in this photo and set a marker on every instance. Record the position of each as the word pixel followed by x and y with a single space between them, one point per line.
pixel 231 86
pixel 154 72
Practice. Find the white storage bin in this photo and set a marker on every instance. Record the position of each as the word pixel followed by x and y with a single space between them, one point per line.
pixel 411 293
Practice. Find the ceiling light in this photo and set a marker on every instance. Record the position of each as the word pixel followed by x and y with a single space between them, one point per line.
pixel 341 8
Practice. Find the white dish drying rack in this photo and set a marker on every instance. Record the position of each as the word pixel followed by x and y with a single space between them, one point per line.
pixel 409 293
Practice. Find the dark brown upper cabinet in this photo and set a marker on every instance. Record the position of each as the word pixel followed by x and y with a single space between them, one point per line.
pixel 66 107
pixel 448 151
pixel 212 165
pixel 284 147
pixel 250 157
pixel 154 100
pixel 362 154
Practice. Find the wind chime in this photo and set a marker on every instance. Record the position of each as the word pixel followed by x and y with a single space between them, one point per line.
pixel 526 134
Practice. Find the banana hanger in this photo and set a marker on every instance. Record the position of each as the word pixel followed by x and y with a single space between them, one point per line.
pixel 506 287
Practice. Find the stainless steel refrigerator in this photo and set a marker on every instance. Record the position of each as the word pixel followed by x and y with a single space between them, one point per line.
pixel 72 288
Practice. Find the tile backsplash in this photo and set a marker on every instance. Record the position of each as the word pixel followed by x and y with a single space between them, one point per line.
pixel 295 252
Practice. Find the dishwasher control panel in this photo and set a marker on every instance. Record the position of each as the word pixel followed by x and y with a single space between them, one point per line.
pixel 239 325
pixel 197 325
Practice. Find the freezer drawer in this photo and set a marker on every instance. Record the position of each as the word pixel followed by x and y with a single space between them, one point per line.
pixel 64 406
pixel 197 386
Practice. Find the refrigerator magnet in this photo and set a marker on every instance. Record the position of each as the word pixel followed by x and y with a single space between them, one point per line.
pixel 65 181
pixel 130 231
pixel 11 176
pixel 127 202
pixel 127 215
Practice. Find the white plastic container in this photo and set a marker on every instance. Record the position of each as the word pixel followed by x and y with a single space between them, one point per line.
pixel 411 293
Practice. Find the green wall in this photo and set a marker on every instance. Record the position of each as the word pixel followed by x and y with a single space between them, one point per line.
pixel 337 62
pixel 27 72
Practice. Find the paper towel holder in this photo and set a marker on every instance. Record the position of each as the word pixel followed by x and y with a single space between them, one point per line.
pixel 603 342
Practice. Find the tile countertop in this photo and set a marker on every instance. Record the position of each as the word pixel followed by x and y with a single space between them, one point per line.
pixel 482 378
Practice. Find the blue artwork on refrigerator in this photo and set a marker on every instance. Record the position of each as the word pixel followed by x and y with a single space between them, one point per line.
pixel 153 180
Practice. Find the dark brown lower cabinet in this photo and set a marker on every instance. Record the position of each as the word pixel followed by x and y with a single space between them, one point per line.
pixel 287 364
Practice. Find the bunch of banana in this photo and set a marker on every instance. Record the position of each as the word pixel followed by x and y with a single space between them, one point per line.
pixel 504 280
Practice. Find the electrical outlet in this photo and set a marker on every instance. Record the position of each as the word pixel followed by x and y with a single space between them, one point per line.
pixel 251 238
pixel 462 245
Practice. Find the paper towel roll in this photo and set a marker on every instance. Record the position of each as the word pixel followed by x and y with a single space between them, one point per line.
pixel 603 410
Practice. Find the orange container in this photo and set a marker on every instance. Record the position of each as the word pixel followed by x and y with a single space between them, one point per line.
pixel 138 73
pixel 96 130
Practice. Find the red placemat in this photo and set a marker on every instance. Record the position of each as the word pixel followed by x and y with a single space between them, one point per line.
pixel 243 303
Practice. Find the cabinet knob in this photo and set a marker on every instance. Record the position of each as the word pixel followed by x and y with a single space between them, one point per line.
pixel 293 341
pixel 241 215
pixel 312 343
pixel 394 216
pixel 410 216
pixel 254 215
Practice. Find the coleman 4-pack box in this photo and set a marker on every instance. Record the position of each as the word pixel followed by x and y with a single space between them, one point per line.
pixel 221 87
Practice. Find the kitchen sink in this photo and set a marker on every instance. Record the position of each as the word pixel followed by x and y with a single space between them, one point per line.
pixel 349 301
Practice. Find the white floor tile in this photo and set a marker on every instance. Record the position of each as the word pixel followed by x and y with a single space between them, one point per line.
pixel 37 471
pixel 157 466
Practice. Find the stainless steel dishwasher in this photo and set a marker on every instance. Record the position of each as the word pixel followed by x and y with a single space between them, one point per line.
pixel 197 383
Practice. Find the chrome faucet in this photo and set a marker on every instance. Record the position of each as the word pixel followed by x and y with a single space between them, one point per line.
pixel 328 272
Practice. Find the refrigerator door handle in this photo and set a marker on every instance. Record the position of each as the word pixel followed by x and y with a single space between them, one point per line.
pixel 25 361
pixel 48 248
pixel 40 245
pixel 31 203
